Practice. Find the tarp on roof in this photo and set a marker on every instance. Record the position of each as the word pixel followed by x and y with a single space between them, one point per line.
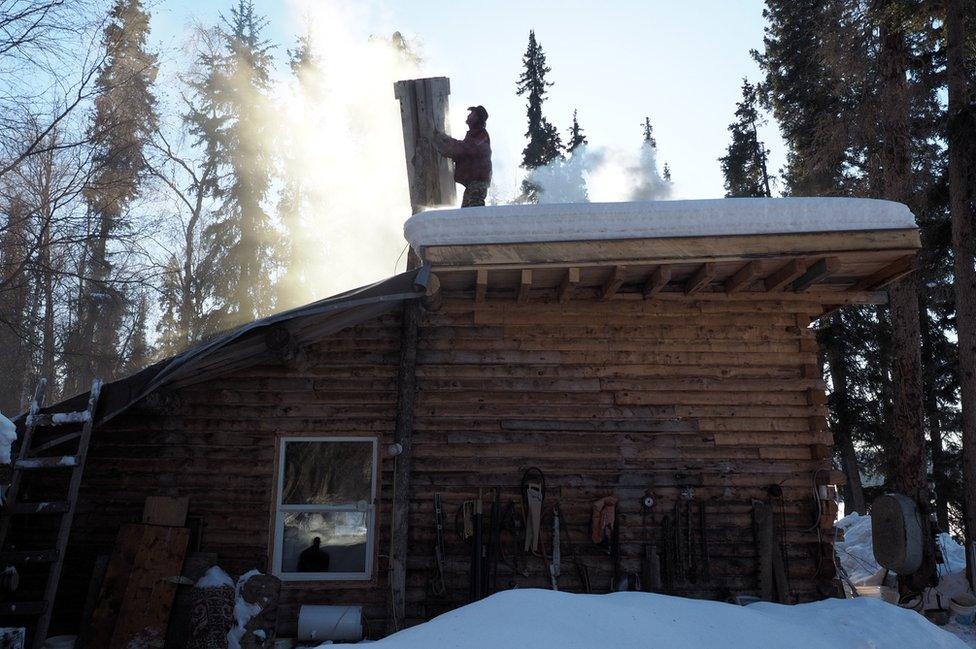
pixel 247 345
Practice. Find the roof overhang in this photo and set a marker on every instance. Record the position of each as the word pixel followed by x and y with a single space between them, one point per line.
pixel 808 245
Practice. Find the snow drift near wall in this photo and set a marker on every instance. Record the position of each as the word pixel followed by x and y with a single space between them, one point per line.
pixel 545 619
pixel 8 435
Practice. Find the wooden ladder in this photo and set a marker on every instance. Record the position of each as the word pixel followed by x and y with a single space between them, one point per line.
pixel 30 458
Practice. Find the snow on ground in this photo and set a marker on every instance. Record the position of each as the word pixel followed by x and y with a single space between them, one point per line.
pixel 856 554
pixel 545 619
pixel 8 435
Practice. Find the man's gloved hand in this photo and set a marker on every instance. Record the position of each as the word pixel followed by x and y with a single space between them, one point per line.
pixel 440 138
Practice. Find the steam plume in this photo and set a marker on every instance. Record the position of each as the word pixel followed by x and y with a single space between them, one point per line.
pixel 602 174
pixel 344 129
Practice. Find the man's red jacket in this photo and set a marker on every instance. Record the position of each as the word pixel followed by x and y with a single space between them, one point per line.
pixel 472 156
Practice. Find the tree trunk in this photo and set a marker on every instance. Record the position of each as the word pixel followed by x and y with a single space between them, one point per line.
pixel 933 417
pixel 47 328
pixel 908 475
pixel 841 406
pixel 14 294
pixel 962 202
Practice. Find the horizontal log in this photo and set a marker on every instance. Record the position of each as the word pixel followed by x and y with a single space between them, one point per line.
pixel 609 371
pixel 629 397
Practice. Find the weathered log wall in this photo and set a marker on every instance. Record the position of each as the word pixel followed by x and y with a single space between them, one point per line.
pixel 722 394
pixel 626 396
pixel 216 443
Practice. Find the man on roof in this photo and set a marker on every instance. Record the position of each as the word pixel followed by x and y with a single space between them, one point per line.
pixel 471 156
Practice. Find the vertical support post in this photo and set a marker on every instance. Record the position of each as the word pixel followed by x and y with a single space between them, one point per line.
pixel 423 108
pixel 400 529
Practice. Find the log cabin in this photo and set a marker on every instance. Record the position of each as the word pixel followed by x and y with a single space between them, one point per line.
pixel 662 353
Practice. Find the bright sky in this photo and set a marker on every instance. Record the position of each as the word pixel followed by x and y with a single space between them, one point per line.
pixel 615 61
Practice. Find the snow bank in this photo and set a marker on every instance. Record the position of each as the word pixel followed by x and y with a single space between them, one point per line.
pixel 856 555
pixel 8 435
pixel 653 219
pixel 544 619
pixel 856 552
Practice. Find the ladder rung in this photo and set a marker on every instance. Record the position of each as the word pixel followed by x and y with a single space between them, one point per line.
pixel 57 462
pixel 22 608
pixel 42 507
pixel 29 556
pixel 59 418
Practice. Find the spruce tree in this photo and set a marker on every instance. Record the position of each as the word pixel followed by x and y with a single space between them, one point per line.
pixel 139 351
pixel 544 142
pixel 576 135
pixel 650 183
pixel 232 121
pixel 805 93
pixel 801 90
pixel 666 172
pixel 846 117
pixel 649 133
pixel 124 115
pixel 960 27
pixel 295 285
pixel 908 460
pixel 744 164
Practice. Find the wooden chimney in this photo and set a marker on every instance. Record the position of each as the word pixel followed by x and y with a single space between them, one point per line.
pixel 424 108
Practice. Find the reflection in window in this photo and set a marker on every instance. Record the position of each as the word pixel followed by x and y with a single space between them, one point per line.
pixel 327 473
pixel 325 512
pixel 341 545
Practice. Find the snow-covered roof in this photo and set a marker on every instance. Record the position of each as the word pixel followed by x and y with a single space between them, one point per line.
pixel 652 220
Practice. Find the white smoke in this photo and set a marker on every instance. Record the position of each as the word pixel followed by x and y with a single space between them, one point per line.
pixel 602 174
pixel 345 131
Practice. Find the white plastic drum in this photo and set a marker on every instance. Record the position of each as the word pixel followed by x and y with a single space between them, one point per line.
pixel 335 623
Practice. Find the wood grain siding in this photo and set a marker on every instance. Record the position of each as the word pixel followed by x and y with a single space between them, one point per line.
pixel 216 442
pixel 622 397
pixel 626 396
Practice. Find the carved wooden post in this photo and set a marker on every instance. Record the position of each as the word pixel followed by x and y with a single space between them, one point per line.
pixel 423 107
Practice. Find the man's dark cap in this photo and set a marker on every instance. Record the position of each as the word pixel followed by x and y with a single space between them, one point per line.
pixel 480 112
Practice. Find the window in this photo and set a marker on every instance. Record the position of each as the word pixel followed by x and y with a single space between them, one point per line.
pixel 325 508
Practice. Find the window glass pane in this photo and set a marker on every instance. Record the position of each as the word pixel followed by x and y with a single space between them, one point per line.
pixel 324 542
pixel 327 473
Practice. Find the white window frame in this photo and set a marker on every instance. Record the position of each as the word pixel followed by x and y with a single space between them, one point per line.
pixel 281 509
